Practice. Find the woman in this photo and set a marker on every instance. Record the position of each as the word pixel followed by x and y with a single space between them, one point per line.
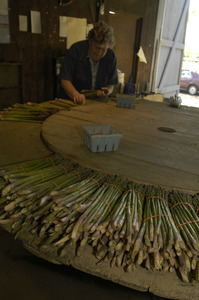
pixel 90 65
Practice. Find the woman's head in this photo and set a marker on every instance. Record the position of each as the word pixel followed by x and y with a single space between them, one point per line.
pixel 102 33
pixel 100 38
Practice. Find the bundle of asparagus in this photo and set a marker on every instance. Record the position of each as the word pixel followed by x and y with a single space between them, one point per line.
pixel 25 180
pixel 187 222
pixel 66 104
pixel 14 173
pixel 41 213
pixel 118 233
pixel 158 241
pixel 36 164
pixel 93 212
pixel 89 94
pixel 29 112
pixel 65 211
pixel 22 195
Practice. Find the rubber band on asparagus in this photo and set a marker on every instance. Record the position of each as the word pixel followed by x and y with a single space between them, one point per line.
pixel 159 216
pixel 189 222
pixel 157 197
pixel 74 187
pixel 94 181
pixel 111 184
pixel 77 174
pixel 22 168
pixel 185 203
pixel 130 190
pixel 117 207
pixel 109 208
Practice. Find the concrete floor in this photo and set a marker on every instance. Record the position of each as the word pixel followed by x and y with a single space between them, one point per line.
pixel 24 276
pixel 189 100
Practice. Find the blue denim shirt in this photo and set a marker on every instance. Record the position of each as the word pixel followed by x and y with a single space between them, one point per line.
pixel 77 69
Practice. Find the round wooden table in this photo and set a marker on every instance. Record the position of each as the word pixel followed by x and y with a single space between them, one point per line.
pixel 146 154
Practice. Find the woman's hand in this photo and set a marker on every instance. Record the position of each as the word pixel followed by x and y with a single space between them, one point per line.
pixel 102 93
pixel 72 92
pixel 79 99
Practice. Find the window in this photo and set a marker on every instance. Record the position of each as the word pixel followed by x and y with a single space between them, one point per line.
pixel 186 74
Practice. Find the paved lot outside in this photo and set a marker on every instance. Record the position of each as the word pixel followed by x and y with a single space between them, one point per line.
pixel 189 100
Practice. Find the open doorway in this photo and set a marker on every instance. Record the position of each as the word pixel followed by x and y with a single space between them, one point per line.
pixel 189 83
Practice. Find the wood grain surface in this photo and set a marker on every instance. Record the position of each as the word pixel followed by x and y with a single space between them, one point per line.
pixel 145 154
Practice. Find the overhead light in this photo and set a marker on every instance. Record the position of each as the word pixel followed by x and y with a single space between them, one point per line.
pixel 111 12
pixel 65 2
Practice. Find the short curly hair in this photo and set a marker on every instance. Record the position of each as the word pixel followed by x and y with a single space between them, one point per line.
pixel 102 33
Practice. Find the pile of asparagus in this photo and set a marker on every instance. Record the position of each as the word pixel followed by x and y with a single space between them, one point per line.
pixel 58 204
pixel 33 112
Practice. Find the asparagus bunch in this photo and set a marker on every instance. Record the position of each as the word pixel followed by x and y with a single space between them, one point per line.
pixel 36 164
pixel 24 210
pixel 65 211
pixel 158 242
pixel 187 222
pixel 93 212
pixel 14 175
pixel 89 94
pixel 23 191
pixel 118 233
pixel 24 180
pixel 29 112
pixel 65 104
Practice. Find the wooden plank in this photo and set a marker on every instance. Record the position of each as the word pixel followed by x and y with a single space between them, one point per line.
pixel 170 89
pixel 20 142
pixel 169 44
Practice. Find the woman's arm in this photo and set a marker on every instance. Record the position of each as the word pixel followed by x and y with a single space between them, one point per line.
pixel 72 92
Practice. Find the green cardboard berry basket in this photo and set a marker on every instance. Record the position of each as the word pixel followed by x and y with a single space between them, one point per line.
pixel 101 138
pixel 125 101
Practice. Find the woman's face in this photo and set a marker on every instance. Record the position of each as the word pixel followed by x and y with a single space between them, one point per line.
pixel 97 50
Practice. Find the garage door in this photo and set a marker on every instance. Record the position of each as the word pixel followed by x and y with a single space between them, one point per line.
pixel 169 48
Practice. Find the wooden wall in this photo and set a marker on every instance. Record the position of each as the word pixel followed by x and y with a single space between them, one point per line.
pixel 135 15
pixel 36 52
pixel 147 42
pixel 125 26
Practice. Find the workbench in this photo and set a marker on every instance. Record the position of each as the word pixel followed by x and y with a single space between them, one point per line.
pixel 145 154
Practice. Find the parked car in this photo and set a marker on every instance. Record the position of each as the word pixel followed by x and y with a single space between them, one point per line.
pixel 189 82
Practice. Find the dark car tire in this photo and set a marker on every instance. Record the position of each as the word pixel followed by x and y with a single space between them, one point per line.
pixel 192 89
